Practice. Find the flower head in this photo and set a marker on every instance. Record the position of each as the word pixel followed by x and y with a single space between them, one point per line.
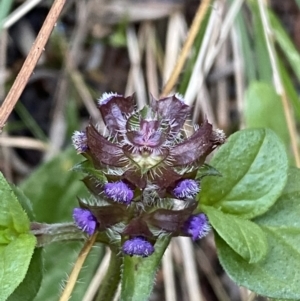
pixel 137 246
pixel 144 155
pixel 197 226
pixel 80 141
pixel 119 192
pixel 186 188
pixel 85 220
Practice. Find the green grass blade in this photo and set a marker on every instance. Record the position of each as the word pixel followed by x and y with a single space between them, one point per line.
pixel 262 59
pixel 286 44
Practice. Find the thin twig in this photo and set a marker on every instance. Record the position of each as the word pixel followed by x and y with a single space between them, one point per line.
pixel 278 81
pixel 77 267
pixel 200 14
pixel 30 62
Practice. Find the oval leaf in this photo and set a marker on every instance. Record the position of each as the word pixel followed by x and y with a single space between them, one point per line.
pixel 253 164
pixel 14 261
pixel 243 236
pixel 278 275
pixel 29 287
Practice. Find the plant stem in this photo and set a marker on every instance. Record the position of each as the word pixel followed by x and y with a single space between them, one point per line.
pixel 49 233
pixel 30 62
pixel 112 278
pixel 138 275
pixel 77 267
pixel 199 17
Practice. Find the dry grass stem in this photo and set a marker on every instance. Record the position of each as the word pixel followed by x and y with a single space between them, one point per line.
pixel 77 267
pixel 278 81
pixel 85 96
pixel 97 279
pixel 194 29
pixel 134 50
pixel 190 269
pixel 168 274
pixel 151 64
pixel 207 268
pixel 211 34
pixel 23 142
pixel 30 62
pixel 19 12
pixel 173 43
pixel 222 88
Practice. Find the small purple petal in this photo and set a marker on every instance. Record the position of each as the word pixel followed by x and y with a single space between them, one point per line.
pixel 85 220
pixel 119 192
pixel 137 246
pixel 79 139
pixel 106 97
pixel 197 226
pixel 186 189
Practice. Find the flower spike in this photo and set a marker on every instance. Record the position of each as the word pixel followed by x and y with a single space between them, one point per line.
pixel 186 188
pixel 197 226
pixel 119 192
pixel 85 220
pixel 80 141
pixel 137 246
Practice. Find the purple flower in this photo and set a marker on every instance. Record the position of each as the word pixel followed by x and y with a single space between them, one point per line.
pixel 85 220
pixel 119 192
pixel 149 144
pixel 186 189
pixel 197 226
pixel 137 246
pixel 80 141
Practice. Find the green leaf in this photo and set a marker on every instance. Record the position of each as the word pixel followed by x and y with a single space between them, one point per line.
pixel 260 100
pixel 278 276
pixel 29 287
pixel 138 274
pixel 24 202
pixel 12 216
pixel 253 164
pixel 243 236
pixel 14 261
pixel 53 190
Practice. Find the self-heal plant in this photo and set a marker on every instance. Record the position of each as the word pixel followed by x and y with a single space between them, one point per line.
pixel 143 167
pixel 149 182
